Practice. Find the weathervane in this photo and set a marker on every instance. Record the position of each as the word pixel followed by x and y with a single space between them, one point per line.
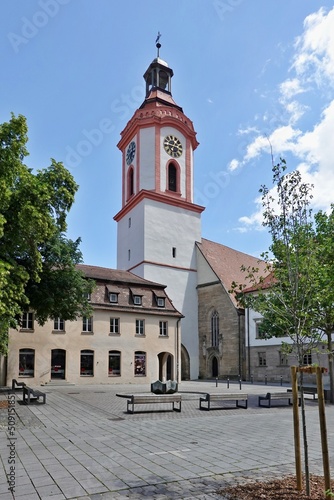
pixel 157 43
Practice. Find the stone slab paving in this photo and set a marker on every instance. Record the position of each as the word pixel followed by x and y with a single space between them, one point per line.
pixel 83 445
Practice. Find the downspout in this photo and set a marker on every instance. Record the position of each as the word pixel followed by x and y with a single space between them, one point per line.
pixel 248 345
pixel 177 351
pixel 240 353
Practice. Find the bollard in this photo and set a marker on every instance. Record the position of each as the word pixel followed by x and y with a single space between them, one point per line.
pixel 216 381
pixel 228 383
pixel 281 380
pixel 252 379
pixel 265 379
pixel 240 382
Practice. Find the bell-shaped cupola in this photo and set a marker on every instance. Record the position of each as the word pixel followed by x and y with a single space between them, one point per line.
pixel 158 79
pixel 158 76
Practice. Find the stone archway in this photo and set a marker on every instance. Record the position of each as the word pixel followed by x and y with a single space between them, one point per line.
pixel 166 366
pixel 214 367
pixel 185 364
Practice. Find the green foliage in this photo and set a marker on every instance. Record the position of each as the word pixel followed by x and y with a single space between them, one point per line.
pixel 286 295
pixel 37 262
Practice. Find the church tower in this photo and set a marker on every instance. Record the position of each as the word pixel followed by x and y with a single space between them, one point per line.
pixel 159 223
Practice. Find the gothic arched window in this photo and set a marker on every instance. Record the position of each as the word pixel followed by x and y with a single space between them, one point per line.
pixel 214 329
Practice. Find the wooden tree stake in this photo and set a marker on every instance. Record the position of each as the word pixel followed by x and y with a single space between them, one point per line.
pixel 323 430
pixel 296 428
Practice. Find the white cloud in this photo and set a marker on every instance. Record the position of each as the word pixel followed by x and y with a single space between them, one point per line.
pixel 233 165
pixel 312 145
pixel 253 221
pixel 290 88
pixel 247 130
pixel 296 110
pixel 315 48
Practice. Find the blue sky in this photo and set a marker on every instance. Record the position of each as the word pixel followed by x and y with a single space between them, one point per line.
pixel 244 71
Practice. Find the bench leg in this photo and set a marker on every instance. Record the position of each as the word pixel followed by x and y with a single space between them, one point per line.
pixel 201 406
pixel 128 407
pixel 240 405
pixel 177 408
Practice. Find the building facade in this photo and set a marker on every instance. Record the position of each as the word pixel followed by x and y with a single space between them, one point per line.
pixel 133 336
pixel 160 249
pixel 268 359
pixel 159 223
pixel 221 322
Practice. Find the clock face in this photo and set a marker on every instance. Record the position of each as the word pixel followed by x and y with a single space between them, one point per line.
pixel 130 153
pixel 173 146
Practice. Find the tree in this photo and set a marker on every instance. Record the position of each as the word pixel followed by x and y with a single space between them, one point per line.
pixel 37 262
pixel 289 304
pixel 324 300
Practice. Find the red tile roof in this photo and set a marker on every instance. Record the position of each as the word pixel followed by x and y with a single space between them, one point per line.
pixel 226 263
pixel 116 275
pixel 125 284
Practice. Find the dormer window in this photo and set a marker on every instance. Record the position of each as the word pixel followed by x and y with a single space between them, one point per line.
pixel 113 297
pixel 137 300
pixel 160 302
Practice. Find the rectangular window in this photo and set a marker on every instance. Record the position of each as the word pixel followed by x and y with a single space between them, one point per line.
pixel 114 364
pixel 129 221
pixel 87 324
pixel 174 252
pixel 262 359
pixel 26 362
pixel 283 359
pixel 114 325
pixel 113 297
pixel 163 328
pixel 58 325
pixel 140 364
pixel 307 359
pixel 27 321
pixel 258 333
pixel 87 363
pixel 140 327
pixel 137 300
pixel 161 302
pixel 129 254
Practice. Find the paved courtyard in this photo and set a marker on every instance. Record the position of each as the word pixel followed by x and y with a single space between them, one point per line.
pixel 83 445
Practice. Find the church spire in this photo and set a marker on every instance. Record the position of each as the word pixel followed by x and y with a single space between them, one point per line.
pixel 158 79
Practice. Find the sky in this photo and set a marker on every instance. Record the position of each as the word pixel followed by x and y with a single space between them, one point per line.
pixel 251 74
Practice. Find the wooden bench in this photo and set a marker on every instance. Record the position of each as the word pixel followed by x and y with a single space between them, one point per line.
pixel 205 401
pixel 140 399
pixel 276 396
pixel 308 390
pixel 30 395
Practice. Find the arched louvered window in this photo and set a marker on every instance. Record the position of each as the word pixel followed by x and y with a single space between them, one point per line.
pixel 131 187
pixel 172 177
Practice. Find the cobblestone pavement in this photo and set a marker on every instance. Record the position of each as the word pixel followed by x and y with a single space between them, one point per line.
pixel 83 445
